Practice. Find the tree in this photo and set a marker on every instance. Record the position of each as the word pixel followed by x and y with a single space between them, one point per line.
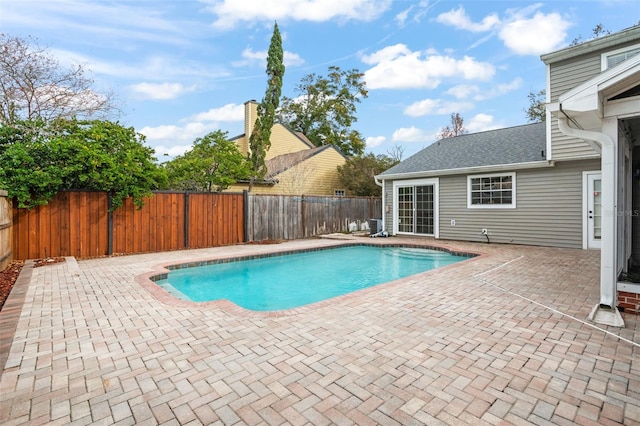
pixel 260 138
pixel 73 154
pixel 325 109
pixel 357 174
pixel 537 111
pixel 455 129
pixel 213 164
pixel 597 31
pixel 34 86
pixel 395 153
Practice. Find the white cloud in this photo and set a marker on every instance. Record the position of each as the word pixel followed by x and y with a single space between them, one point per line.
pixel 396 67
pixel 229 13
pixel 481 122
pixel 411 134
pixel 458 18
pixel 388 53
pixel 126 21
pixel 188 132
pixel 469 91
pixel 520 32
pixel 436 106
pixel 463 91
pixel 401 17
pixel 252 57
pixel 499 90
pixel 292 59
pixel 228 112
pixel 373 141
pixel 535 36
pixel 175 140
pixel 160 91
pixel 156 67
pixel 170 151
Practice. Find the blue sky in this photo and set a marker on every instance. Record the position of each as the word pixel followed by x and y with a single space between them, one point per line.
pixel 180 69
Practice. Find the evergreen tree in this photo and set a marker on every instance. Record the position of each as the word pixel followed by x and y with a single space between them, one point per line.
pixel 260 138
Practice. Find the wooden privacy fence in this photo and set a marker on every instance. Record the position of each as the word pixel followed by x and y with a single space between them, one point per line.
pixel 291 217
pixel 79 223
pixel 6 230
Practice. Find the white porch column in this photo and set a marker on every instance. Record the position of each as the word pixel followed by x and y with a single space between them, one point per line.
pixel 608 252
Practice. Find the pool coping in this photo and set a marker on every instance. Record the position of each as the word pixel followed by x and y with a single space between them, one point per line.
pixel 161 271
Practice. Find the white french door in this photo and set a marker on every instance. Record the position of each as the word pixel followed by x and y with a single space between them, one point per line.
pixel 415 205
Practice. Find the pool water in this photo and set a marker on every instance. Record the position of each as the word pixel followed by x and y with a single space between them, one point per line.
pixel 292 280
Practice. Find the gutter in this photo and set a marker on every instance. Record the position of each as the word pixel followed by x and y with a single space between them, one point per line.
pixel 606 311
pixel 467 170
pixel 383 213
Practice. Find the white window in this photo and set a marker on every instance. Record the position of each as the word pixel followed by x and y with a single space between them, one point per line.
pixel 338 193
pixel 611 59
pixel 491 191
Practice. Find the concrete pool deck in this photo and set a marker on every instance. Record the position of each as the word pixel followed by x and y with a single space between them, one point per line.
pixel 502 338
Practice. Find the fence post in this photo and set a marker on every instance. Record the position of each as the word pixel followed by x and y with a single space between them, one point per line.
pixel 303 212
pixel 6 230
pixel 245 215
pixel 186 219
pixel 109 224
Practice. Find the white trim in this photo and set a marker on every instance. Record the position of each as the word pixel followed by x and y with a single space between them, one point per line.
pixel 492 206
pixel 605 56
pixel 436 203
pixel 622 108
pixel 629 287
pixel 549 152
pixel 384 206
pixel 466 170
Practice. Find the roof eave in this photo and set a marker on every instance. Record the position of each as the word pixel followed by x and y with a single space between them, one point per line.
pixel 467 170
pixel 625 36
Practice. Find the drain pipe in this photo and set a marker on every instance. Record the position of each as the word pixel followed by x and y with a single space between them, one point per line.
pixel 605 312
pixel 380 184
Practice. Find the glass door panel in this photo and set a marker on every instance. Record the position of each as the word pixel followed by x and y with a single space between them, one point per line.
pixel 597 209
pixel 405 209
pixel 594 210
pixel 424 210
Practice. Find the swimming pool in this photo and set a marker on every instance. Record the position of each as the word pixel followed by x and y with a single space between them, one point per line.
pixel 297 279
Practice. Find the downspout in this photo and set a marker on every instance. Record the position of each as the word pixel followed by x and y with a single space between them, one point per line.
pixel 605 312
pixel 380 184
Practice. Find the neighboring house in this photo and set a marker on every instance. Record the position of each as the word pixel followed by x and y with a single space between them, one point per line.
pixel 573 181
pixel 294 165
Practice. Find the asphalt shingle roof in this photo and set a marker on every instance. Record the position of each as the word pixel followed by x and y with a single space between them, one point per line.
pixel 283 162
pixel 513 145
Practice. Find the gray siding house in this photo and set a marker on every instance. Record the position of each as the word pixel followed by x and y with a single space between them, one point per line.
pixel 573 181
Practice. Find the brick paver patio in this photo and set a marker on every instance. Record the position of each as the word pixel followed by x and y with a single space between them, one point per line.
pixel 499 339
